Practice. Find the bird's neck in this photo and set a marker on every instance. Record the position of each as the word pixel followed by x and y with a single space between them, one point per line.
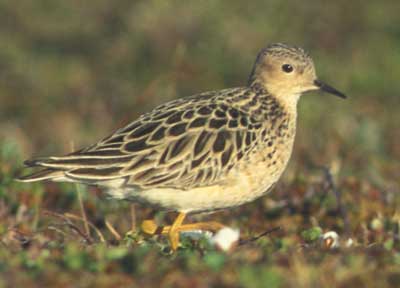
pixel 289 102
pixel 286 103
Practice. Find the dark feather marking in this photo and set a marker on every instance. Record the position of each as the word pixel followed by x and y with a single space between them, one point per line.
pixel 248 138
pixel 253 120
pixel 198 122
pixel 94 172
pixel 204 111
pixel 198 161
pixel 234 113
pixel 174 118
pixel 115 139
pixel 233 124
pixel 135 146
pixel 209 175
pixel 220 114
pixel 88 161
pixel 226 156
pixel 175 165
pixel 188 114
pixel 164 156
pixel 223 107
pixel 264 133
pixel 130 127
pixel 144 174
pixel 33 162
pixel 199 176
pixel 257 126
pixel 243 121
pixel 39 175
pixel 219 143
pixel 239 140
pixel 143 130
pixel 156 180
pixel 163 115
pixel 253 102
pixel 158 134
pixel 142 161
pixel 201 142
pixel 179 146
pixel 177 129
pixel 217 123
pixel 109 152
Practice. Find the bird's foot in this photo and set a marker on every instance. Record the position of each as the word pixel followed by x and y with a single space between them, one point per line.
pixel 151 228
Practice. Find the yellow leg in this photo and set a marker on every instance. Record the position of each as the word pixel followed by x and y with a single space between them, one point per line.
pixel 173 233
pixel 205 226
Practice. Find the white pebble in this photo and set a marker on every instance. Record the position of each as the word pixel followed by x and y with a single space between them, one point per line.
pixel 225 238
pixel 349 243
pixel 330 239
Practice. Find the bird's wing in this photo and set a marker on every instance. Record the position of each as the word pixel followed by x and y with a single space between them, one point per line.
pixel 189 142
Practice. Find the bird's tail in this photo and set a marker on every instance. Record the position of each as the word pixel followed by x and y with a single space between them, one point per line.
pixel 45 174
pixel 76 168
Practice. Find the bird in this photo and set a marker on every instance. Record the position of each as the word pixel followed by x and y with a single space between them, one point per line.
pixel 203 153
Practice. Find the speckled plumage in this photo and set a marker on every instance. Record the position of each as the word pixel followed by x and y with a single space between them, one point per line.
pixel 206 152
pixel 189 143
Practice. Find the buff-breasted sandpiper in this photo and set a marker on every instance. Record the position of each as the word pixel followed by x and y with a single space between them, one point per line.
pixel 210 151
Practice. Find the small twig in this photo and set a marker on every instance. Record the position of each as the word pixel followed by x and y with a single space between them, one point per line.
pixel 340 207
pixel 255 238
pixel 81 233
pixel 3 243
pixel 82 209
pixel 133 218
pixel 99 234
pixel 57 230
pixel 112 230
pixel 67 216
pixel 69 224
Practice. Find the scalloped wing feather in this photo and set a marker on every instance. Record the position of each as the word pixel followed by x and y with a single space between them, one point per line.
pixel 186 143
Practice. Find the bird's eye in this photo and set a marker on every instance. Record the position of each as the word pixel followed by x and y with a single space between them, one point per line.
pixel 287 68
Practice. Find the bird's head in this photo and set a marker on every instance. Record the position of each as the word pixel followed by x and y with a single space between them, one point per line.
pixel 286 71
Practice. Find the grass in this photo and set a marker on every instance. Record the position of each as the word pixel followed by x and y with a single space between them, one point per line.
pixel 44 240
pixel 71 72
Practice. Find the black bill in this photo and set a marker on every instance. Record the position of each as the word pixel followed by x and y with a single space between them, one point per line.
pixel 329 89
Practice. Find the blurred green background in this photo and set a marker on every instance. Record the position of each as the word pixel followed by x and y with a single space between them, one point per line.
pixel 73 71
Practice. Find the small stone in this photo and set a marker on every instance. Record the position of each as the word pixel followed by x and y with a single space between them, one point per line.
pixel 225 238
pixel 330 240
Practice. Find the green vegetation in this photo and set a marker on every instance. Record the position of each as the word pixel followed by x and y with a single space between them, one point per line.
pixel 71 72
